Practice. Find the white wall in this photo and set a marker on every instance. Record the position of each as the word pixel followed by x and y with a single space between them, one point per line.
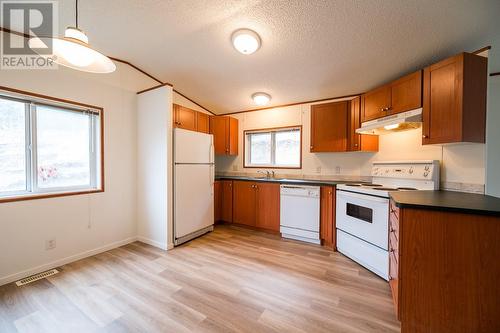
pixel 463 163
pixel 181 100
pixel 154 170
pixel 83 224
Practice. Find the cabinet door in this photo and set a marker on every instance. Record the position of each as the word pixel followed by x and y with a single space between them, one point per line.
pixel 442 121
pixel 184 118
pixel 202 123
pixel 406 93
pixel 268 206
pixel 355 141
pixel 244 202
pixel 329 127
pixel 219 127
pixel 327 216
pixel 376 103
pixel 354 122
pixel 217 200
pixel 227 201
pixel 233 137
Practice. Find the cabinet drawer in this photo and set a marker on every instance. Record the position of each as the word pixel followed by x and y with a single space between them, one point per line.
pixel 393 267
pixel 393 245
pixel 394 225
pixel 393 209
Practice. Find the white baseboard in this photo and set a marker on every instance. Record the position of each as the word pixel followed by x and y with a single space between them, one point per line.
pixel 154 243
pixel 21 275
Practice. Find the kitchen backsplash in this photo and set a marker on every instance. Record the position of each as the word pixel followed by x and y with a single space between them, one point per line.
pixel 462 165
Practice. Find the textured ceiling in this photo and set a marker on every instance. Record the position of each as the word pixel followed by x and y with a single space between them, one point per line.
pixel 310 49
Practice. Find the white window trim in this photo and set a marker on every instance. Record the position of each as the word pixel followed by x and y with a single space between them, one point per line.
pixel 272 131
pixel 95 147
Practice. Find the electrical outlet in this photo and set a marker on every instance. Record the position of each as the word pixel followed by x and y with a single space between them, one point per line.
pixel 50 244
pixel 318 169
pixel 337 170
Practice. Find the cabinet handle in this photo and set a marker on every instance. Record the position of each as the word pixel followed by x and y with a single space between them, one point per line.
pixel 355 145
pixel 425 136
pixel 312 147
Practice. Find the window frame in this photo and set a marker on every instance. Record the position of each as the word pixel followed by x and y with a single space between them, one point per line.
pixel 96 129
pixel 246 151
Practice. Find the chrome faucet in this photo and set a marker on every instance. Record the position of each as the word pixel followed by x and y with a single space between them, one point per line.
pixel 267 173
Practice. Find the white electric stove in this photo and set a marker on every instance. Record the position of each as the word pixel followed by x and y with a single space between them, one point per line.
pixel 362 210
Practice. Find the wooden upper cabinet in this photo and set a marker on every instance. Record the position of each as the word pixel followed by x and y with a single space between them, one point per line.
pixel 190 119
pixel 268 206
pixel 225 131
pixel 202 122
pixel 406 93
pixel 329 127
pixel 244 202
pixel 184 118
pixel 454 107
pixel 327 216
pixel 398 96
pixel 355 141
pixel 377 103
pixel 226 209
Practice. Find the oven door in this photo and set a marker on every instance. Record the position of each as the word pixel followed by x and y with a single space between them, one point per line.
pixel 363 216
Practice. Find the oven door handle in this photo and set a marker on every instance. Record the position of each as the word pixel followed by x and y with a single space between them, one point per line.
pixel 361 196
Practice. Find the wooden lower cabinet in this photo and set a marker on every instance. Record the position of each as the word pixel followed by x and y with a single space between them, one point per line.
pixel 217 200
pixel 223 200
pixel 257 204
pixel 444 270
pixel 226 210
pixel 327 216
pixel 244 202
pixel 268 206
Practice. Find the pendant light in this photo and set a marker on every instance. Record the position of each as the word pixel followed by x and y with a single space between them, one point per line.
pixel 73 50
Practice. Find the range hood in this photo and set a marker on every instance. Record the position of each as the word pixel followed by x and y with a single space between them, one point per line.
pixel 395 123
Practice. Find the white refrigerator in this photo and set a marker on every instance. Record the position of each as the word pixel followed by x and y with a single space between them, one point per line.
pixel 194 176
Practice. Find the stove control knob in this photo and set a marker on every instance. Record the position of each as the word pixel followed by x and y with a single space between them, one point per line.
pixel 410 171
pixel 426 168
pixel 426 173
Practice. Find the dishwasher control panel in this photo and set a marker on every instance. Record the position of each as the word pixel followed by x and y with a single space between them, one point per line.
pixel 305 191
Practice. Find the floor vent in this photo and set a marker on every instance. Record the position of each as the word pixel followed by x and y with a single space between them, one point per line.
pixel 36 277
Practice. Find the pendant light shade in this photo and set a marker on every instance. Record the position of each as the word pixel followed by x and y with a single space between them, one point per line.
pixel 73 51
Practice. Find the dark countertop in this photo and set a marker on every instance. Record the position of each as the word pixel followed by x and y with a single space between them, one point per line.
pixel 298 181
pixel 448 201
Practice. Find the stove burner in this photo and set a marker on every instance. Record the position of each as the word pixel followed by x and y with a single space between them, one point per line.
pixel 371 185
pixel 406 189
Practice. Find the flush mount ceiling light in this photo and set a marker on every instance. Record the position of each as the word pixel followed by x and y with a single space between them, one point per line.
pixel 73 50
pixel 261 98
pixel 245 41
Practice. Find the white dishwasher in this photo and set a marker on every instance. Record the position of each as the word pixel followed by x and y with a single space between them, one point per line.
pixel 299 213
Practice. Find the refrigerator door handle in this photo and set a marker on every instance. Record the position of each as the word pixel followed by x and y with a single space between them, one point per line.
pixel 212 179
pixel 211 152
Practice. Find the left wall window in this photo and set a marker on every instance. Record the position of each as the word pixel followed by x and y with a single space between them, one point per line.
pixel 48 148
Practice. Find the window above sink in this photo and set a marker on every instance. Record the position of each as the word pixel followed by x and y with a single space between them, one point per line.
pixel 273 148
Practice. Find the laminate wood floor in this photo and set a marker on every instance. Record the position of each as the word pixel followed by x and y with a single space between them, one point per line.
pixel 231 280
